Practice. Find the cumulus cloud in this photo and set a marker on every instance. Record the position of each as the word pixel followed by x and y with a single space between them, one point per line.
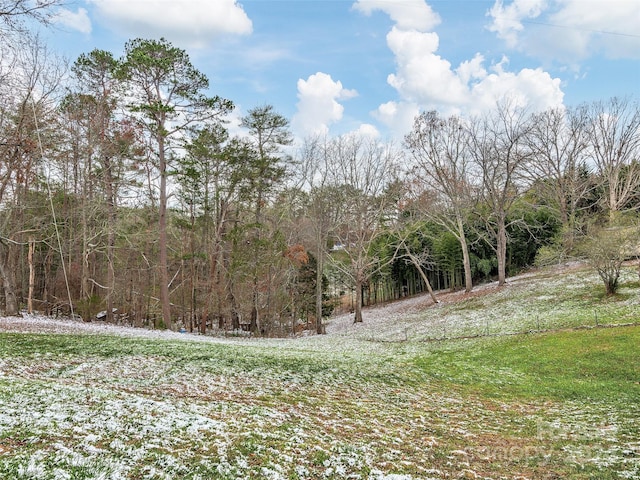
pixel 425 80
pixel 507 20
pixel 194 22
pixel 408 14
pixel 367 130
pixel 422 75
pixel 569 30
pixel 78 21
pixel 533 88
pixel 397 116
pixel 318 104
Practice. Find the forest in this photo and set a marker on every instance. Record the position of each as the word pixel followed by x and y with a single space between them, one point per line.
pixel 124 197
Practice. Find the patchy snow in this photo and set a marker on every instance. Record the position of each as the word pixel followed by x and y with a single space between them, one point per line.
pixel 487 310
pixel 36 323
pixel 145 415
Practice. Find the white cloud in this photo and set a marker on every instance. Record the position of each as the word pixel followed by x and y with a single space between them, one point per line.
pixel 422 76
pixel 606 26
pixel 194 22
pixel 471 69
pixel 78 21
pixel 407 14
pixel 507 20
pixel 532 88
pixel 318 105
pixel 424 80
pixel 569 30
pixel 397 116
pixel 367 130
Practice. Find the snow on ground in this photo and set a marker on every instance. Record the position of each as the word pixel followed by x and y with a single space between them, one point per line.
pixel 544 299
pixel 146 415
pixel 487 310
pixel 36 323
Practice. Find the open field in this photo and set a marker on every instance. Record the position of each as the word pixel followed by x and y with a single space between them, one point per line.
pixel 394 398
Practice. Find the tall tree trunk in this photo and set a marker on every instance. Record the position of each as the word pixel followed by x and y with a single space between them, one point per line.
pixel 218 263
pixel 32 275
pixel 111 274
pixel 165 302
pixel 235 315
pixel 358 305
pixel 85 268
pixel 85 286
pixel 320 329
pixel 253 325
pixel 111 237
pixel 501 251
pixel 10 298
pixel 466 261
pixel 214 287
pixel 233 303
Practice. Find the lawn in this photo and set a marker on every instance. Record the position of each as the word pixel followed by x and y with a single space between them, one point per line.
pixel 559 404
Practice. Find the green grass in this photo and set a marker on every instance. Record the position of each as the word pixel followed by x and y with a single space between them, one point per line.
pixel 601 364
pixel 511 404
pixel 559 404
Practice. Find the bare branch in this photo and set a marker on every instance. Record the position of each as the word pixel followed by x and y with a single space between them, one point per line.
pixel 15 13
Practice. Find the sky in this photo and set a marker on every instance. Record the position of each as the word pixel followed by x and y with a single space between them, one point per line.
pixel 370 66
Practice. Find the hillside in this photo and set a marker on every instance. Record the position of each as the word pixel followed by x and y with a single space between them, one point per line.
pixel 397 397
pixel 568 295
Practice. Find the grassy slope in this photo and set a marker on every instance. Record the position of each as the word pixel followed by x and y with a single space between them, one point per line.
pixel 560 404
pixel 599 364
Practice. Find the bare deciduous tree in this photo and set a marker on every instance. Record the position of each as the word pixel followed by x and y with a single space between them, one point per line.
pixel 559 140
pixel 364 171
pixel 27 103
pixel 322 209
pixel 615 140
pixel 500 150
pixel 14 13
pixel 443 169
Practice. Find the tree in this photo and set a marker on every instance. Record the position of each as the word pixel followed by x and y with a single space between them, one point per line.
pixel 442 170
pixel 13 13
pixel 499 149
pixel 606 249
pixel 198 179
pixel 363 172
pixel 27 105
pixel 615 141
pixel 108 141
pixel 269 133
pixel 322 210
pixel 166 94
pixel 211 176
pixel 559 141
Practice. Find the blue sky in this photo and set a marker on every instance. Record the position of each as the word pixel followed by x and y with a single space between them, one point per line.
pixel 337 66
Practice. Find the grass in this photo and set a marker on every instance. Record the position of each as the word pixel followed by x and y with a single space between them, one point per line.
pixel 600 364
pixel 557 404
pixel 547 301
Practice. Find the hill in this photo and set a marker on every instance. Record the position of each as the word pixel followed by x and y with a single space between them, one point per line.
pixel 515 382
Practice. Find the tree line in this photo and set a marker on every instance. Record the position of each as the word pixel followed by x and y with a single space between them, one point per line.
pixel 122 191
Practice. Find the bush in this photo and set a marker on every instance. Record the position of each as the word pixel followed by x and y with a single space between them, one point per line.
pixel 606 249
pixel 550 255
